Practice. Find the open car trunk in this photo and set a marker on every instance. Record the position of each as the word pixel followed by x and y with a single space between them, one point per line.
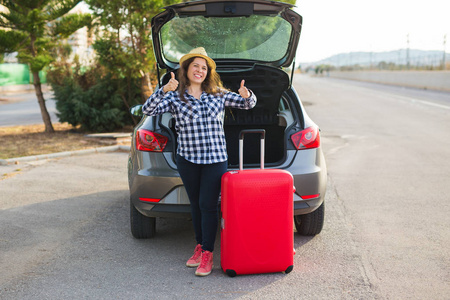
pixel 268 84
pixel 248 39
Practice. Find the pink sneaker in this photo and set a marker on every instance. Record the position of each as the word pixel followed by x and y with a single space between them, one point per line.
pixel 206 264
pixel 195 259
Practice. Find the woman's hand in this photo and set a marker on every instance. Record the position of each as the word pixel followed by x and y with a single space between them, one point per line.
pixel 172 85
pixel 243 91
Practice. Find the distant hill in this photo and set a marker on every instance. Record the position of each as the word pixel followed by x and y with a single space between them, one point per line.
pixel 399 57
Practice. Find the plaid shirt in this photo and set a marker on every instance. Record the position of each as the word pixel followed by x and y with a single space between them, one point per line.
pixel 201 139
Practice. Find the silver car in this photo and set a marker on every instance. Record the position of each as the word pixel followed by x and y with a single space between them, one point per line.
pixel 255 40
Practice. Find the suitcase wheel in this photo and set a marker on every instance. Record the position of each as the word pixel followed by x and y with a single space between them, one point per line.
pixel 231 273
pixel 289 269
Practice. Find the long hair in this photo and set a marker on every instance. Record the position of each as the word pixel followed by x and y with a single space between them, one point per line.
pixel 211 85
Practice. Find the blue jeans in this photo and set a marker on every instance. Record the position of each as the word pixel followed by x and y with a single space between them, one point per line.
pixel 202 183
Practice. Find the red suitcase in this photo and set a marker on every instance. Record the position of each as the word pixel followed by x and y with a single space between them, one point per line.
pixel 257 234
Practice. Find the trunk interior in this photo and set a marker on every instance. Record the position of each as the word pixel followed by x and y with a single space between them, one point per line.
pixel 274 145
pixel 268 84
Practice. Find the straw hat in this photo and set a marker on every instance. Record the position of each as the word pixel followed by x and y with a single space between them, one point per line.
pixel 199 52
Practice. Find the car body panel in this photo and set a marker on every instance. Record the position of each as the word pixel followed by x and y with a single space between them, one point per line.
pixel 156 178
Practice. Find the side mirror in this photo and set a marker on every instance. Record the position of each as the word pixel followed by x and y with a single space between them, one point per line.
pixel 136 110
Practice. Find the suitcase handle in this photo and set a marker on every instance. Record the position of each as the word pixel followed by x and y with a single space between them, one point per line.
pixel 241 145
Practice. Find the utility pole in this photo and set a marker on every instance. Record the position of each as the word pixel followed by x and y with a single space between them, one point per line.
pixel 371 61
pixel 407 51
pixel 444 65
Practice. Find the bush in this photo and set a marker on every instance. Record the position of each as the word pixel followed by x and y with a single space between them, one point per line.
pixel 91 99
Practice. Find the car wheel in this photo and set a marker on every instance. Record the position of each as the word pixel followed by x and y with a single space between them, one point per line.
pixel 142 227
pixel 312 223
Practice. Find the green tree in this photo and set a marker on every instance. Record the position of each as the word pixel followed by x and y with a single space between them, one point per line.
pixel 89 95
pixel 88 98
pixel 125 47
pixel 34 28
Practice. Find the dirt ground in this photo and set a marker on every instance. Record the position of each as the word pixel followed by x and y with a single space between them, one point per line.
pixel 26 140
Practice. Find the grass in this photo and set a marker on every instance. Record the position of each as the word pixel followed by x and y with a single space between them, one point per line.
pixel 26 140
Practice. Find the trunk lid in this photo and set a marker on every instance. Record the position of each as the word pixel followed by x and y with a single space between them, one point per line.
pixel 234 33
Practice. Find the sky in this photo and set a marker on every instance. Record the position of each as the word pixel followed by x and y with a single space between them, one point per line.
pixel 341 26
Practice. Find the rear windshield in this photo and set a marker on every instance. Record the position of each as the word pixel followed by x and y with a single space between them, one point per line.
pixel 261 38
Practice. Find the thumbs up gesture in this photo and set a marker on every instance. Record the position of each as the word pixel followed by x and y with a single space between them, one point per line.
pixel 172 85
pixel 243 91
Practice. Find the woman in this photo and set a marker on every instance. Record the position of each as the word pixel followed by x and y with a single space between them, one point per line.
pixel 197 103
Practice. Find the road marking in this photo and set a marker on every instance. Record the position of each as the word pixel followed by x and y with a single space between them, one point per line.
pixel 410 99
pixel 422 102
pixel 434 104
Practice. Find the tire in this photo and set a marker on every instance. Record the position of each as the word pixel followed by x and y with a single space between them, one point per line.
pixel 312 223
pixel 142 227
pixel 289 270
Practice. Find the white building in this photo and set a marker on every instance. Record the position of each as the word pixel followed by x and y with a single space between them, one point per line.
pixel 80 41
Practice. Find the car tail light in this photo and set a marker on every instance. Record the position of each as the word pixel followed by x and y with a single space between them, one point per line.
pixel 149 199
pixel 306 197
pixel 307 138
pixel 150 141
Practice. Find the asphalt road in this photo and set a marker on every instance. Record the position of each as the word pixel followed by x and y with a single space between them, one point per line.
pixel 22 108
pixel 64 226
